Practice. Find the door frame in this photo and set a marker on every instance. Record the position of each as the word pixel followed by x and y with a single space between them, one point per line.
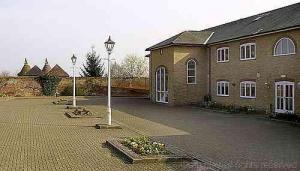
pixel 284 83
pixel 165 86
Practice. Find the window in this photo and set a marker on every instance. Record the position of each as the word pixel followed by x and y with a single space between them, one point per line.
pixel 162 85
pixel 161 51
pixel 248 51
pixel 223 54
pixel 284 46
pixel 223 88
pixel 191 71
pixel 248 89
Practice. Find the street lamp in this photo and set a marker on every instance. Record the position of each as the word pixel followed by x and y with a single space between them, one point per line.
pixel 109 44
pixel 74 58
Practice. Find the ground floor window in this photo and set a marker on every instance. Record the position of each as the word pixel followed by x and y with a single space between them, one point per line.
pixel 223 88
pixel 248 89
pixel 162 85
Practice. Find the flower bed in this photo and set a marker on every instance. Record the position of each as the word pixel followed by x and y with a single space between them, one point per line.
pixel 144 146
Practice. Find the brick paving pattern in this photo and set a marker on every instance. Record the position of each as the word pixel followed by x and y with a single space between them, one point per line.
pixel 232 141
pixel 35 135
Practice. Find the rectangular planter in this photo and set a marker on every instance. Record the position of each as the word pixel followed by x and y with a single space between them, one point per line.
pixel 71 115
pixel 136 158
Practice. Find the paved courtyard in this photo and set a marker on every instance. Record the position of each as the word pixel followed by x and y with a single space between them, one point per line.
pixel 35 135
pixel 232 141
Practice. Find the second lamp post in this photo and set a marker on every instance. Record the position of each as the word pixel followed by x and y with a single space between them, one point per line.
pixel 109 44
pixel 74 58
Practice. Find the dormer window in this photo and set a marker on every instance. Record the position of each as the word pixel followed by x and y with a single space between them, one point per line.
pixel 284 46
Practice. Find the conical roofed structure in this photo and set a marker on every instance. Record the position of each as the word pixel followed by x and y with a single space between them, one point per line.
pixel 46 67
pixel 58 72
pixel 35 71
pixel 26 68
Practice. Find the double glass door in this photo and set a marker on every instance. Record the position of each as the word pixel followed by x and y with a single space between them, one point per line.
pixel 284 97
pixel 161 85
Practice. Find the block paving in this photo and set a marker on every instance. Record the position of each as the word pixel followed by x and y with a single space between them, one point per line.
pixel 36 135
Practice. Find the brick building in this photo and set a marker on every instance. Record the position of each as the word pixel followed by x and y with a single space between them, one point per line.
pixel 252 61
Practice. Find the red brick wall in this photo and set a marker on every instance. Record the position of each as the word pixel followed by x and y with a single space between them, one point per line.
pixel 28 86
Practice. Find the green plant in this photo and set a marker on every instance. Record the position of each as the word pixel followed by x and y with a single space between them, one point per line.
pixel 3 95
pixel 93 66
pixel 49 84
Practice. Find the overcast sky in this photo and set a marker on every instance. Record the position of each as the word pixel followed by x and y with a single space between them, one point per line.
pixel 56 29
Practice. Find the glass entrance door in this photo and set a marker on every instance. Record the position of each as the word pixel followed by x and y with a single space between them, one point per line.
pixel 284 97
pixel 161 85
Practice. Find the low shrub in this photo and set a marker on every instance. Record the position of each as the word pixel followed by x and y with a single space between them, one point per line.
pixel 49 84
pixel 231 108
pixel 286 117
pixel 144 146
pixel 3 95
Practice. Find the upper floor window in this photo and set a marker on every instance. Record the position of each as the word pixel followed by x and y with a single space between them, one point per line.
pixel 248 51
pixel 248 89
pixel 191 71
pixel 284 46
pixel 223 54
pixel 161 51
pixel 223 88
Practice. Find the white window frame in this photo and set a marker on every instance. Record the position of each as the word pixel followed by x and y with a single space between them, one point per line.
pixel 284 84
pixel 282 54
pixel 163 87
pixel 245 46
pixel 251 84
pixel 187 72
pixel 222 83
pixel 219 50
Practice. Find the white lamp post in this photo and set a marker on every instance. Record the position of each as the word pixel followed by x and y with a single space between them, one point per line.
pixel 74 58
pixel 109 44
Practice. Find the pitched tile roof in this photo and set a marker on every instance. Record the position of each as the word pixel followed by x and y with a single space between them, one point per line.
pixel 186 37
pixel 275 20
pixel 35 71
pixel 278 19
pixel 57 71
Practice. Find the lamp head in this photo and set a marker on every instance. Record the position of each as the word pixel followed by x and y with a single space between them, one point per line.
pixel 74 58
pixel 109 44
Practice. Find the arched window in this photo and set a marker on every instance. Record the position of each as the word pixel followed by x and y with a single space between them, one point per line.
pixel 284 46
pixel 191 71
pixel 162 85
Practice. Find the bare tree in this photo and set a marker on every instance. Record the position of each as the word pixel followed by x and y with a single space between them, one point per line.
pixel 5 74
pixel 135 66
pixel 116 70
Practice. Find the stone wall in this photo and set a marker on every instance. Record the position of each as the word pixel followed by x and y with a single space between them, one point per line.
pixel 29 86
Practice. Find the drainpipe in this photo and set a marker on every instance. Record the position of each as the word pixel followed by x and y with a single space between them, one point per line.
pixel 209 70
